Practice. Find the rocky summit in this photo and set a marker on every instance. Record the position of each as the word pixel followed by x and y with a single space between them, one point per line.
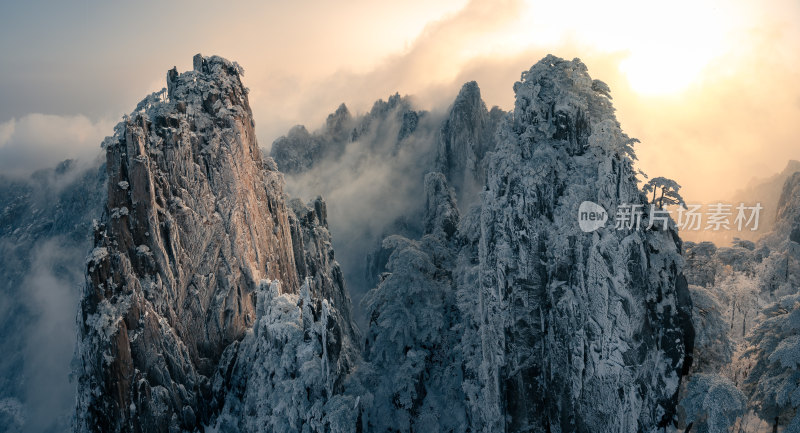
pixel 195 221
pixel 214 302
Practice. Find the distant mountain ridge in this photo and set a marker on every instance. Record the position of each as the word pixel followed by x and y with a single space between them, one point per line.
pixel 215 302
pixel 766 191
pixel 488 251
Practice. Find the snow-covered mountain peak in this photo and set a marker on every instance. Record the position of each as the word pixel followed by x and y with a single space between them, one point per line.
pixel 194 221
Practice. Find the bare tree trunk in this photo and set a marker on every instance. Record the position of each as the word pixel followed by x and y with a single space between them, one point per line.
pixel 744 324
pixel 787 268
pixel 775 426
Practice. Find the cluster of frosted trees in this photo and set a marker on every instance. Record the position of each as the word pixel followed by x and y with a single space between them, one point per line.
pixel 746 373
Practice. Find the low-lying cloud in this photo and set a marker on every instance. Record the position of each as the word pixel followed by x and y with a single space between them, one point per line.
pixel 51 293
pixel 372 188
pixel 37 141
pixel 735 121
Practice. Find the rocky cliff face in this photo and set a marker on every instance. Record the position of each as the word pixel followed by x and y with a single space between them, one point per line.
pixel 788 210
pixel 569 331
pixel 386 153
pixel 194 221
pixel 766 191
pixel 467 135
pixel 370 168
pixel 745 294
pixel 299 150
pixel 512 314
pixel 386 125
pixel 301 348
pixel 781 272
pixel 211 301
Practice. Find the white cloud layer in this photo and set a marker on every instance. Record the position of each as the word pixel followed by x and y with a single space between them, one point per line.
pixel 37 141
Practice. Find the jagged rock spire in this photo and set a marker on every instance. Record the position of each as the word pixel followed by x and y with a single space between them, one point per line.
pixel 194 221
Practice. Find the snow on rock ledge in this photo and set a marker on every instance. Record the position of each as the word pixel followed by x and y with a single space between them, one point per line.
pixel 211 219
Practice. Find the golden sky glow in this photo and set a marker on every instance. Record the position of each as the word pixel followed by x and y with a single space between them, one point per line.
pixel 711 88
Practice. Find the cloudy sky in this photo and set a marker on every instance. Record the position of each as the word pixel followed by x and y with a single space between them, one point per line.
pixel 712 89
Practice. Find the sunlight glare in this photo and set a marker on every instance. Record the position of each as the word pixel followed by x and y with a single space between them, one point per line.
pixel 668 46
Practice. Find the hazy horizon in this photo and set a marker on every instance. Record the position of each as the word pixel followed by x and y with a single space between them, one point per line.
pixel 709 88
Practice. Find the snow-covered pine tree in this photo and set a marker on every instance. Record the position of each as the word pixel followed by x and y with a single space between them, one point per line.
pixel 773 384
pixel 411 350
pixel 566 330
pixel 713 403
pixel 283 380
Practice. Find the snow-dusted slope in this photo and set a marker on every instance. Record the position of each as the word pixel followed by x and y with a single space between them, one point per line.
pixel 211 301
pixel 45 231
pixel 512 314
pixel 194 221
pixel 412 374
pixel 370 168
pixel 570 331
pixel 746 307
pixel 466 136
pixel 787 222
